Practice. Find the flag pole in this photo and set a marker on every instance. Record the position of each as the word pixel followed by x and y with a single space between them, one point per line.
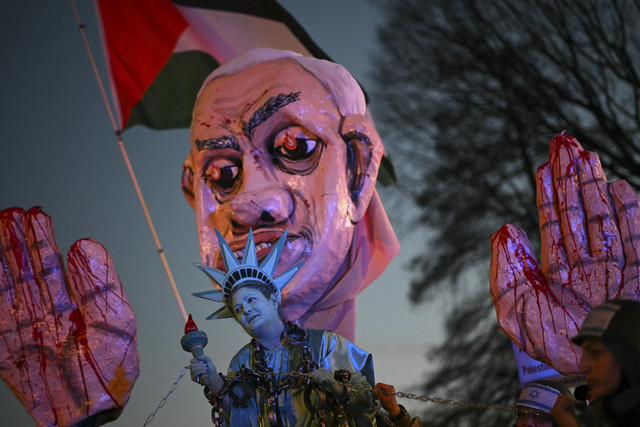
pixel 118 133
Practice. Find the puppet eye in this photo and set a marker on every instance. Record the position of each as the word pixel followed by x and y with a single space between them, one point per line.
pixel 295 143
pixel 296 150
pixel 221 174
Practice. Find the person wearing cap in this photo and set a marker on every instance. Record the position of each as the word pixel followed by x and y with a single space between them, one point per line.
pixel 536 400
pixel 610 341
pixel 286 375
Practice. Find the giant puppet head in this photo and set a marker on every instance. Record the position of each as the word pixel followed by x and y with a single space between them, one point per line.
pixel 280 141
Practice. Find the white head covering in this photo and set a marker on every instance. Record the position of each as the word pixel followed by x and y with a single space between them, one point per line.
pixel 344 89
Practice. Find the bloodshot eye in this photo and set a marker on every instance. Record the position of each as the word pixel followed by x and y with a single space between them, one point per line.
pixel 221 174
pixel 296 150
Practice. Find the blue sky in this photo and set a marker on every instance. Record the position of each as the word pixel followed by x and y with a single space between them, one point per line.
pixel 59 152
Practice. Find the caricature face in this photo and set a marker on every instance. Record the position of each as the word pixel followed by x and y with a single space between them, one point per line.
pixel 267 154
pixel 604 373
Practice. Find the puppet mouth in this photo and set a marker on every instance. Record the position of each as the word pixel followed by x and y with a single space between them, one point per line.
pixel 262 249
pixel 264 241
pixel 252 318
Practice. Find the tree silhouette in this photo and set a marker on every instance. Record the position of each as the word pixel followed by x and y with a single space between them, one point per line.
pixel 467 95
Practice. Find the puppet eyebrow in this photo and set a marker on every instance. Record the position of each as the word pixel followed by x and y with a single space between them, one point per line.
pixel 218 143
pixel 270 107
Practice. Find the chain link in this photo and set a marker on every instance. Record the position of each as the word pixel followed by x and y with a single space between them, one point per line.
pixel 439 400
pixel 164 399
pixel 306 376
pixel 453 402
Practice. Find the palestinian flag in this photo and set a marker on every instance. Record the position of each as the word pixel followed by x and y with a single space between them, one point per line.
pixel 160 51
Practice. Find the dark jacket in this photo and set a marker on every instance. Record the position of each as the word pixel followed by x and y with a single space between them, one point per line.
pixel 620 410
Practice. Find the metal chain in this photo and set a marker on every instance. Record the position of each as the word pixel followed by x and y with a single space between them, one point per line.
pixel 164 399
pixel 473 405
pixel 307 376
pixel 453 402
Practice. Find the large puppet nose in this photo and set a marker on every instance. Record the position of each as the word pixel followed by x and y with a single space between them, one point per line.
pixel 268 206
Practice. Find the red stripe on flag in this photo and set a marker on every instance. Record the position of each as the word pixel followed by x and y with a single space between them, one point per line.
pixel 140 32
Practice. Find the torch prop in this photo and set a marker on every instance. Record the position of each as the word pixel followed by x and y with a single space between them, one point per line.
pixel 194 341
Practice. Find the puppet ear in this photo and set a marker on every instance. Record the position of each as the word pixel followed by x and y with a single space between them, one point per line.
pixel 187 181
pixel 364 153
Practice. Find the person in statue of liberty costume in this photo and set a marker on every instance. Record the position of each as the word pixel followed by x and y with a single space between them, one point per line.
pixel 290 372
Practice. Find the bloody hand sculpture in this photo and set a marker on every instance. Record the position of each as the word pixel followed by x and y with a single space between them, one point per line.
pixel 590 247
pixel 68 346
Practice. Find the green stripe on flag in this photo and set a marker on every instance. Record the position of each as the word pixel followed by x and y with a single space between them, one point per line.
pixel 168 102
pixel 387 173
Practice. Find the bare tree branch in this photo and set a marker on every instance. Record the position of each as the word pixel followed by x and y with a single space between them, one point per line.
pixel 468 95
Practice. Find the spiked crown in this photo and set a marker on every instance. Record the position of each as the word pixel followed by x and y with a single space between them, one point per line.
pixel 247 270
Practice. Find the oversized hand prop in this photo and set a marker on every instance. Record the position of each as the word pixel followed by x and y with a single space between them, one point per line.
pixel 589 230
pixel 68 346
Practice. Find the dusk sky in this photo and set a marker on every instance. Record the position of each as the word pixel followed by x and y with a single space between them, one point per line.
pixel 59 152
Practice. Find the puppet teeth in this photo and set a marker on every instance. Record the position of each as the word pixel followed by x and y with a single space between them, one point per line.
pixel 259 246
pixel 263 245
pixel 239 253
